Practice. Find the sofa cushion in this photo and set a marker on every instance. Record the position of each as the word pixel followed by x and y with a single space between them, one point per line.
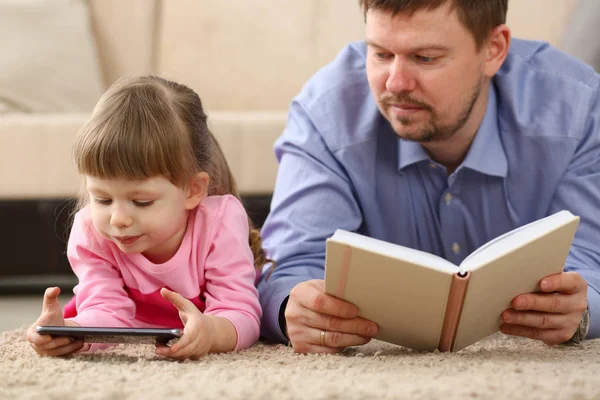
pixel 36 159
pixel 252 54
pixel 124 33
pixel 48 59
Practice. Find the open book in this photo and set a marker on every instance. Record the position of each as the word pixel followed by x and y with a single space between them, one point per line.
pixel 425 302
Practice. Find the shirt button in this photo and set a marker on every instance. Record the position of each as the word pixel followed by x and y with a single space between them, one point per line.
pixel 448 198
pixel 456 248
pixel 432 165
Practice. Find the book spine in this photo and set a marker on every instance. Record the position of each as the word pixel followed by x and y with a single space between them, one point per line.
pixel 341 286
pixel 454 306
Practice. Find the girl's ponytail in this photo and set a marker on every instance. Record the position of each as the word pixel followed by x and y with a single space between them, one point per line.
pixel 222 182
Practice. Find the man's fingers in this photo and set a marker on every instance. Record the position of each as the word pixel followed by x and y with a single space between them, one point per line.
pixel 537 319
pixel 566 282
pixel 322 341
pixel 356 326
pixel 305 326
pixel 311 296
pixel 298 315
pixel 338 339
pixel 550 303
pixel 316 349
pixel 549 336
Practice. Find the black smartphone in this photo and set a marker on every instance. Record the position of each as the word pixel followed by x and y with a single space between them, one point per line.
pixel 163 336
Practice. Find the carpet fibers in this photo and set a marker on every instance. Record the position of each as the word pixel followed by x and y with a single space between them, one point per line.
pixel 498 367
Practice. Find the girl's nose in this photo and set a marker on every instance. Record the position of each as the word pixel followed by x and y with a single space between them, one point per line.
pixel 120 219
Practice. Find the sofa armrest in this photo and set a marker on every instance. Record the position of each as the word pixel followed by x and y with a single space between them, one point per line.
pixel 247 140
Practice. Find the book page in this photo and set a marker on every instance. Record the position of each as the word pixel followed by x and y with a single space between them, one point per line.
pixel 392 250
pixel 515 238
pixel 495 283
pixel 407 300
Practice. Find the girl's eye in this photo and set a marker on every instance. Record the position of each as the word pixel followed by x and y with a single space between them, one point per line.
pixel 143 203
pixel 104 202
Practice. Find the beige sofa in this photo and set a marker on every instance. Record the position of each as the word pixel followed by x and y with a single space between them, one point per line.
pixel 246 59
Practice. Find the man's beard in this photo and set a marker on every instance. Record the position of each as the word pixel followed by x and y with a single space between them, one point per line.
pixel 433 130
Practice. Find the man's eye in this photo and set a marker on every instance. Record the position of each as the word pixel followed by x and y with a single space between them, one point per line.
pixel 102 201
pixel 383 56
pixel 143 203
pixel 426 60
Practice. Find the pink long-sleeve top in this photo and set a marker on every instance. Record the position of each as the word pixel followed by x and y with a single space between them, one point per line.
pixel 213 268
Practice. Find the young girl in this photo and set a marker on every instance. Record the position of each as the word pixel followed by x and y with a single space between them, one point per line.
pixel 162 240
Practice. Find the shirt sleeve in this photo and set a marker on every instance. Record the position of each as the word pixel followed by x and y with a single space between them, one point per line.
pixel 579 192
pixel 312 198
pixel 100 295
pixel 230 274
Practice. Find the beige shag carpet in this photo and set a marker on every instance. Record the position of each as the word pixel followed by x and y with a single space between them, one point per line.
pixel 499 367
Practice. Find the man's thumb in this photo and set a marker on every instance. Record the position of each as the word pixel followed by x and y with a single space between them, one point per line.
pixel 51 303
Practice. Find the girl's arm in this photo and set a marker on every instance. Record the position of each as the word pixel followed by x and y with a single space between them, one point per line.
pixel 231 317
pixel 231 294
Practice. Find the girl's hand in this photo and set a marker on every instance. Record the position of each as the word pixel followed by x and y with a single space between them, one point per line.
pixel 47 345
pixel 199 331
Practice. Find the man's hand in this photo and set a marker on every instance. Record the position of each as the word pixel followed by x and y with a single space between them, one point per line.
pixel 310 311
pixel 552 316
pixel 47 345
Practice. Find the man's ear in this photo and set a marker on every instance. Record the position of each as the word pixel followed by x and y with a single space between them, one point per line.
pixel 496 50
pixel 197 190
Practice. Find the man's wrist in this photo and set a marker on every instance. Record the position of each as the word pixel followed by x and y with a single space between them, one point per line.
pixel 282 321
pixel 582 329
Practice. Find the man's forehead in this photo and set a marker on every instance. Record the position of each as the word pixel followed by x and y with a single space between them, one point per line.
pixel 423 28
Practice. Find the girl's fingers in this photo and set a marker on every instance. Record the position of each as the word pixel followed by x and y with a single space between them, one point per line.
pixel 48 341
pixel 50 301
pixel 61 350
pixel 178 300
pixel 68 349
pixel 180 353
pixel 56 343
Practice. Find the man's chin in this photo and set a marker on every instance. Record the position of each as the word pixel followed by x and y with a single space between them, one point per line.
pixel 410 135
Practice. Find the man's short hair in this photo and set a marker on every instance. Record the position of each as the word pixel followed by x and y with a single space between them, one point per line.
pixel 480 17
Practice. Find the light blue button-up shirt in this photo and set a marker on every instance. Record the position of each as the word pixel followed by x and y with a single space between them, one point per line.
pixel 536 152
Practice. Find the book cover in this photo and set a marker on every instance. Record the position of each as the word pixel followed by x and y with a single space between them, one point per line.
pixel 424 302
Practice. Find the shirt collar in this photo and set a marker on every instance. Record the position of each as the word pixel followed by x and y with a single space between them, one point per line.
pixel 486 154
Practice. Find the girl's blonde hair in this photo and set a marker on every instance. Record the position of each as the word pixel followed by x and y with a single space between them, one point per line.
pixel 148 126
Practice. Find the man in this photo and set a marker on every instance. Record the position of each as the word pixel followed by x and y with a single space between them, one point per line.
pixel 438 133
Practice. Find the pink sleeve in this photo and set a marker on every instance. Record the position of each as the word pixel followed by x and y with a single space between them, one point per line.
pixel 230 274
pixel 100 295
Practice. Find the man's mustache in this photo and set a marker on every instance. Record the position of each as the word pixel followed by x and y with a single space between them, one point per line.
pixel 390 99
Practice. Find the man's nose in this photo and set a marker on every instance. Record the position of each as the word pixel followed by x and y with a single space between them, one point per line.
pixel 401 78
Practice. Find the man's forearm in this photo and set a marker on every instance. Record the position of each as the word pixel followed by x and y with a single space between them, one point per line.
pixel 273 294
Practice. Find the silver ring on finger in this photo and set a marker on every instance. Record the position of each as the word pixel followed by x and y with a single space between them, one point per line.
pixel 322 337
